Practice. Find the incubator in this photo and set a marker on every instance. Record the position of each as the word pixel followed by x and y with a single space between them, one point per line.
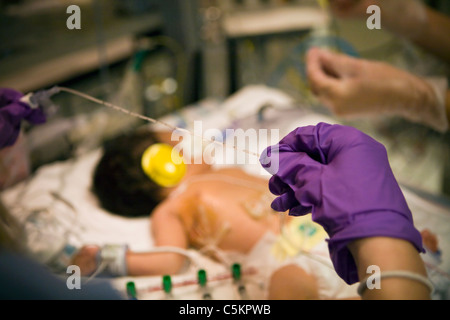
pixel 258 66
pixel 295 239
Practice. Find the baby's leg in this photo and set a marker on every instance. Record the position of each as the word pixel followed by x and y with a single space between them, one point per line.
pixel 291 282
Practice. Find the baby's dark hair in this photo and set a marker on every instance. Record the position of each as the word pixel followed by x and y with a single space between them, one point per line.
pixel 119 182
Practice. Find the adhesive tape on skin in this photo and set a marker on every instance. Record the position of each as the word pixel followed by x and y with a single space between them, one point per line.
pixel 162 165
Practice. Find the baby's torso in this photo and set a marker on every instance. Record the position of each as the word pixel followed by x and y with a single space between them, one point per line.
pixel 227 209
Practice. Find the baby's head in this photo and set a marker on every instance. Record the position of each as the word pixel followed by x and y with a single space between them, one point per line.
pixel 119 181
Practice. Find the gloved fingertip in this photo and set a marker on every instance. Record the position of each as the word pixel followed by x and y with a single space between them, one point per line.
pixel 277 186
pixel 284 202
pixel 276 207
pixel 299 211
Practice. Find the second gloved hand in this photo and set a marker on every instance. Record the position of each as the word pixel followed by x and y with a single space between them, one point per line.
pixel 353 87
pixel 344 179
pixel 12 112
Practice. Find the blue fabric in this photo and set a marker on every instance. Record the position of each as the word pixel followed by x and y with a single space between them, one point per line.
pixel 22 278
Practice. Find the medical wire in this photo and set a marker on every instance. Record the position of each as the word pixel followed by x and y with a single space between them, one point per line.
pixel 148 119
pixel 250 271
pixel 99 270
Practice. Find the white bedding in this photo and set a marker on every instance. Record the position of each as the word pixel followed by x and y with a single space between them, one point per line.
pixel 72 180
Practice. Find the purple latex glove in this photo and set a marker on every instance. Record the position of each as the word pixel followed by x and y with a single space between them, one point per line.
pixel 343 178
pixel 12 112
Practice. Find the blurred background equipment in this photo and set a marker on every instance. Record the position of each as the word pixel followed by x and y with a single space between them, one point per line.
pixel 155 57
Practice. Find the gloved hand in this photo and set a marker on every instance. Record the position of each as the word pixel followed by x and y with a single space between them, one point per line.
pixel 353 87
pixel 342 177
pixel 12 112
pixel 406 18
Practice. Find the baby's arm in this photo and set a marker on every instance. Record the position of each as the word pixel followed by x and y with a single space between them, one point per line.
pixel 167 230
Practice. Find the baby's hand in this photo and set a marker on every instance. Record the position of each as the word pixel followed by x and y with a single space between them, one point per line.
pixel 86 259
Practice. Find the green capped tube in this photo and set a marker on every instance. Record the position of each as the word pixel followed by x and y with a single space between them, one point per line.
pixel 236 271
pixel 202 279
pixel 131 290
pixel 167 284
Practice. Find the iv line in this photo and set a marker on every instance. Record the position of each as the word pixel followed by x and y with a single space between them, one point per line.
pixel 148 119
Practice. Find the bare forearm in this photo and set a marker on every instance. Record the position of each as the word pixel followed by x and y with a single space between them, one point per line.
pixel 390 254
pixel 430 33
pixel 436 38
